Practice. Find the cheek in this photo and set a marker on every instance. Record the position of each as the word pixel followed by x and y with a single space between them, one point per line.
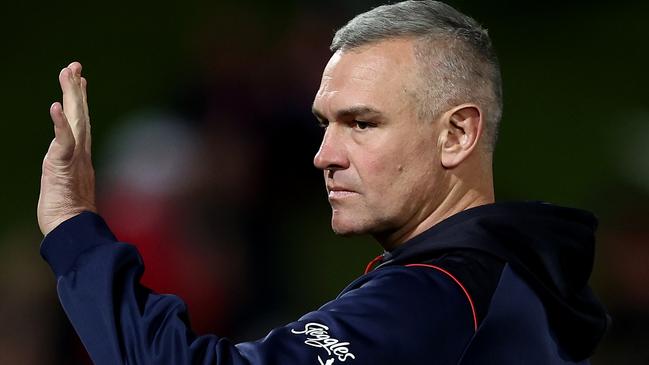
pixel 385 179
pixel 412 170
pixel 392 170
pixel 380 171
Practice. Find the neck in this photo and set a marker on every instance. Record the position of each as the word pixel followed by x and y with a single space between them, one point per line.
pixel 460 197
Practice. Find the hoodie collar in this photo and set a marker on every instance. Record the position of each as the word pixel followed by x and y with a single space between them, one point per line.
pixel 555 242
pixel 551 247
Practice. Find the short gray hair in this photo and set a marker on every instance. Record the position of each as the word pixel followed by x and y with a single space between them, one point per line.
pixel 458 61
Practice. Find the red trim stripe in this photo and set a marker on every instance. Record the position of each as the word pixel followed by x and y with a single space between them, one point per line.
pixel 371 263
pixel 468 296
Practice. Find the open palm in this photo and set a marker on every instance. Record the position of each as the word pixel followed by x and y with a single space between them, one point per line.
pixel 68 178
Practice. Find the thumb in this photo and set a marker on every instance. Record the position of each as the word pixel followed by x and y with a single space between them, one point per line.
pixel 63 145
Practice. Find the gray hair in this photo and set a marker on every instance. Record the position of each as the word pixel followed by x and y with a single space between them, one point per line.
pixel 458 63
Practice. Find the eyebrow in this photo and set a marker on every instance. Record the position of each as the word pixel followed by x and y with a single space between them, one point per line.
pixel 347 112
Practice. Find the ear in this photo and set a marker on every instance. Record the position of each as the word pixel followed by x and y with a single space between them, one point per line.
pixel 461 130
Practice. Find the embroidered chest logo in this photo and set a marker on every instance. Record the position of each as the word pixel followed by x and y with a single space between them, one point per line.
pixel 318 336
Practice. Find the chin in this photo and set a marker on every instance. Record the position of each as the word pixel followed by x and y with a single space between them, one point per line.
pixel 349 226
pixel 344 232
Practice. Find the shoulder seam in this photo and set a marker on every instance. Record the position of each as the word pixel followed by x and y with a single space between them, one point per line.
pixel 466 293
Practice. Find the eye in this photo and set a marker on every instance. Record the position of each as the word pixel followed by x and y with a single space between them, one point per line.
pixel 360 124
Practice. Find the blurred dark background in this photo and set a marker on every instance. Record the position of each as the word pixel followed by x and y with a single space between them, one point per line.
pixel 203 142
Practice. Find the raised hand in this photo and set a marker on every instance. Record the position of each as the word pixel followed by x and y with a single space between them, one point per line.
pixel 68 178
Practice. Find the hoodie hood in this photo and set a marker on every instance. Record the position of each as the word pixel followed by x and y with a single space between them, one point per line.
pixel 551 247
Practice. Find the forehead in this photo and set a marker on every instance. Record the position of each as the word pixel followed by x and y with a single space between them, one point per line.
pixel 380 73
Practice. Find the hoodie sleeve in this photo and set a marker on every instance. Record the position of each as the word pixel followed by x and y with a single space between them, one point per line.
pixel 396 315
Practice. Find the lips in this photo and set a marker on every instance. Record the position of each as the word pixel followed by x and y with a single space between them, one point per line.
pixel 339 192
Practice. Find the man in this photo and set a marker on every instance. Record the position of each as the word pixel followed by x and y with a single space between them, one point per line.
pixel 410 102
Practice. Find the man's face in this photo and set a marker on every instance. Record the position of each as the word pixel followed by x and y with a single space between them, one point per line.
pixel 380 161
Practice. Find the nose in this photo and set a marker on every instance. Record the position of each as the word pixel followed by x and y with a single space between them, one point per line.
pixel 332 153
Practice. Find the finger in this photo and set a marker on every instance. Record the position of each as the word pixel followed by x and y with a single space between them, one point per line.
pixel 84 98
pixel 63 145
pixel 73 102
pixel 84 93
pixel 75 67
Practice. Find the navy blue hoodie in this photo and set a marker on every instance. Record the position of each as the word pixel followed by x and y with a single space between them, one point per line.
pixel 503 283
